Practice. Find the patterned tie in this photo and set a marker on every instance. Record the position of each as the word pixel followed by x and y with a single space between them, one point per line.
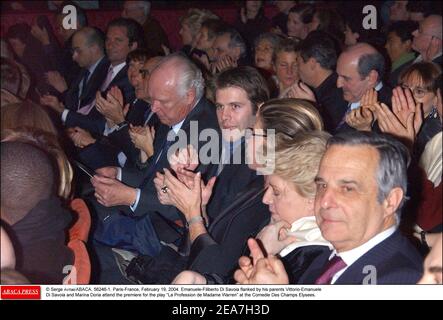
pixel 332 267
pixel 108 79
pixel 84 82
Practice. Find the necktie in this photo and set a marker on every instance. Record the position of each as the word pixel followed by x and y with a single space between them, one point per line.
pixel 343 120
pixel 108 79
pixel 84 82
pixel 332 267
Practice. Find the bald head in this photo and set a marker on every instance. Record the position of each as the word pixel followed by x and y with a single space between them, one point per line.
pixel 27 177
pixel 359 68
pixel 428 37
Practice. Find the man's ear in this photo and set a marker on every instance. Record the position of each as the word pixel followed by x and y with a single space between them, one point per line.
pixel 373 77
pixel 190 96
pixel 392 201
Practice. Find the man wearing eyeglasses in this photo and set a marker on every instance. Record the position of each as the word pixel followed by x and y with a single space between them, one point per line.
pixel 428 40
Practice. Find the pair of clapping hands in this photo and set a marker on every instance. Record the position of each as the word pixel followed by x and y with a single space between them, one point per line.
pixel 181 186
pixel 404 121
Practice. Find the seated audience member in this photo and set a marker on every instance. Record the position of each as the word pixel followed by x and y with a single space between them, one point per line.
pixel 329 21
pixel 299 20
pixel 280 20
pixel 405 123
pixel 399 11
pixel 360 70
pixel 419 10
pixel 122 36
pixel 428 40
pixel 48 142
pixel 114 147
pixel 433 271
pixel 25 81
pixel 155 37
pixel 10 82
pixel 264 46
pixel 355 33
pixel 239 92
pixel 285 66
pixel 66 68
pixel 316 64
pixel 134 198
pixel 29 52
pixel 398 46
pixel 191 24
pixel 205 40
pixel 362 235
pixel 251 21
pixel 292 232
pixel 34 213
pixel 421 79
pixel 229 49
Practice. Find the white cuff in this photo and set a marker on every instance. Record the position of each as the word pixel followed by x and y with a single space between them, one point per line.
pixel 64 115
pixel 137 199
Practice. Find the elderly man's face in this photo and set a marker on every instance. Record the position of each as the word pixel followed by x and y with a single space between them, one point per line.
pixel 423 36
pixel 349 79
pixel 221 47
pixel 166 102
pixel 346 206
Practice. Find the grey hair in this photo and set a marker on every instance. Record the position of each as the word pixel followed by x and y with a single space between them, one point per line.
pixel 189 75
pixel 273 39
pixel 369 62
pixel 393 161
pixel 235 41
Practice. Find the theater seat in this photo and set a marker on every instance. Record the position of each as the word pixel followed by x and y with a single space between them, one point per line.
pixel 80 229
pixel 81 271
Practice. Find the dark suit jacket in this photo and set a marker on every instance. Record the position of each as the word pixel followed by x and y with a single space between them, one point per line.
pixel 384 95
pixel 218 250
pixel 332 106
pixel 204 114
pixel 104 152
pixel 93 85
pixel 94 122
pixel 395 259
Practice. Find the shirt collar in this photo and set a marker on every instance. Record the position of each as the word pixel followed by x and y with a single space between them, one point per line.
pixel 350 256
pixel 355 105
pixel 116 69
pixel 92 68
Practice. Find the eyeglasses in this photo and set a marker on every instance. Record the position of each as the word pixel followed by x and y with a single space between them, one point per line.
pixel 416 91
pixel 251 133
pixel 144 73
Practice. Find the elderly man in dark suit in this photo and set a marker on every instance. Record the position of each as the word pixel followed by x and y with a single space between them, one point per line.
pixel 176 89
pixel 361 186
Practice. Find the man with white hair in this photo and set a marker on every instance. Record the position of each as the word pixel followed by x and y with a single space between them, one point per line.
pixel 176 89
pixel 155 36
pixel 428 39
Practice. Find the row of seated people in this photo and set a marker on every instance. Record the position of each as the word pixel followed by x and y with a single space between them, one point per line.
pixel 136 209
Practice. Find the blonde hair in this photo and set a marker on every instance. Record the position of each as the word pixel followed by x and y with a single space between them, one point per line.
pixel 298 161
pixel 26 114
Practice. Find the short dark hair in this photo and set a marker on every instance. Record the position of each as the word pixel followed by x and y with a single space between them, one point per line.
pixel 393 161
pixel 27 177
pixel 305 10
pixel 246 78
pixel 403 29
pixel 425 7
pixel 320 46
pixel 93 35
pixel 134 30
pixel 428 72
pixel 141 55
pixel 371 61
